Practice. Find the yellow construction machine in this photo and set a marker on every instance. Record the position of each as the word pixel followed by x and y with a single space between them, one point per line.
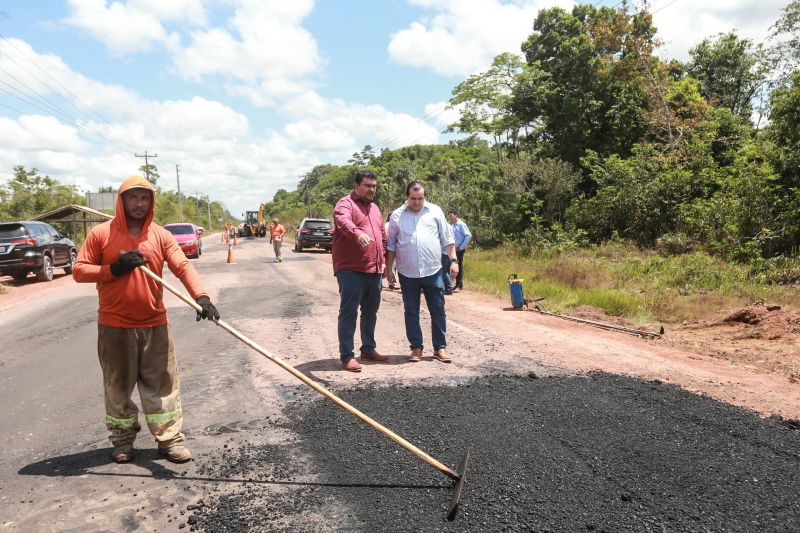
pixel 254 224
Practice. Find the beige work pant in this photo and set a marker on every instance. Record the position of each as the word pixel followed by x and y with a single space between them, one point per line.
pixel 276 246
pixel 143 357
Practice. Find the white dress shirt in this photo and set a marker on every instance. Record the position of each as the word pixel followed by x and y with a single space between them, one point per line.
pixel 418 240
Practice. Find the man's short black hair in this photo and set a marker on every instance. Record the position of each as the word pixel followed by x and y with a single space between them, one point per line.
pixel 453 211
pixel 414 185
pixel 364 173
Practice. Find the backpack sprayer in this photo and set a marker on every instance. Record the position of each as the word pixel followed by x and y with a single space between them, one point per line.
pixel 517 296
pixel 518 301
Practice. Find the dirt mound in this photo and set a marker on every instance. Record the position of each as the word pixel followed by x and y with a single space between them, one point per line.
pixel 772 321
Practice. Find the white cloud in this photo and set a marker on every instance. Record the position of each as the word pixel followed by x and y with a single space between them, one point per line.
pixel 135 26
pixel 462 36
pixel 264 48
pixel 683 25
pixel 122 28
pixel 192 11
pixel 215 145
pixel 339 127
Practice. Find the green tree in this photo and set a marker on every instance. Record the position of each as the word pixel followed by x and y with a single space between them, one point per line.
pixel 150 172
pixel 589 88
pixel 29 194
pixel 362 158
pixel 731 70
pixel 787 31
pixel 485 102
pixel 784 130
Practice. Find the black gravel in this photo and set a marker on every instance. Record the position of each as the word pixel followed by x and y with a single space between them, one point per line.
pixel 589 453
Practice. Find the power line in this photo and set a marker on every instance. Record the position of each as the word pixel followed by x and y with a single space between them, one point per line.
pixel 431 115
pixel 28 136
pixel 42 104
pixel 57 93
pixel 663 7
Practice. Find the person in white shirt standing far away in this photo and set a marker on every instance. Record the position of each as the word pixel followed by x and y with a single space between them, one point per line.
pixel 418 232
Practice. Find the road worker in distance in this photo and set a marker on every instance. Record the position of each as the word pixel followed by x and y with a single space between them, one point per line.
pixel 276 231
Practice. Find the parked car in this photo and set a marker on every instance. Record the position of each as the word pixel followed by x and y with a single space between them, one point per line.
pixel 314 233
pixel 37 247
pixel 188 237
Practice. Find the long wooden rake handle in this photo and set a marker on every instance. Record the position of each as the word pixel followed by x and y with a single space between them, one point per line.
pixel 311 383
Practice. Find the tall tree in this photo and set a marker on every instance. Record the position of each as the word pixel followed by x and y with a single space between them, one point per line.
pixel 485 102
pixel 150 172
pixel 731 70
pixel 592 93
pixel 362 158
pixel 787 31
pixel 784 130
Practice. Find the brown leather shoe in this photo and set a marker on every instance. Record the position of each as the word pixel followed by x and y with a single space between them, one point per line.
pixel 351 365
pixel 176 454
pixel 375 357
pixel 123 454
pixel 416 355
pixel 441 355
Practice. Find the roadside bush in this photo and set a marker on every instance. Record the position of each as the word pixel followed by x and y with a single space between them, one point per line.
pixel 783 271
pixel 674 244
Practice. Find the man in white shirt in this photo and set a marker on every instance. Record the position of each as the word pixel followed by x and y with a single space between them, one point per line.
pixel 418 232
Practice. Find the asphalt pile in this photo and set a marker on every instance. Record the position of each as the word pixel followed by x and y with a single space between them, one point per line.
pixel 584 453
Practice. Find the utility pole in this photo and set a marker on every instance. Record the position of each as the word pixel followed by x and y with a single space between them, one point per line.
pixel 180 198
pixel 308 195
pixel 146 163
pixel 208 205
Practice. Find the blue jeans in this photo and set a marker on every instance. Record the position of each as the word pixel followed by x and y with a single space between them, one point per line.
pixel 433 289
pixel 357 289
pixel 446 280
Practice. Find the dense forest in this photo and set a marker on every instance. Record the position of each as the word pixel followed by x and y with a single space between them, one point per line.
pixel 590 136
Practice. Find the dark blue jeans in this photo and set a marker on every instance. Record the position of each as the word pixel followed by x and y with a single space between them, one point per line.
pixel 433 290
pixel 446 280
pixel 460 277
pixel 357 289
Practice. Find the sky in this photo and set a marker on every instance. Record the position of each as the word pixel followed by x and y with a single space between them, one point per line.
pixel 246 96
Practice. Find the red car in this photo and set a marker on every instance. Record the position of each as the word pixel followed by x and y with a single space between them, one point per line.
pixel 188 237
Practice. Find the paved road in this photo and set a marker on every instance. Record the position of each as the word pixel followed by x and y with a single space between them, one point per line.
pixel 54 469
pixel 310 468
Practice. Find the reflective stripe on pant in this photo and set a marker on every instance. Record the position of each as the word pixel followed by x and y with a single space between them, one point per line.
pixel 143 357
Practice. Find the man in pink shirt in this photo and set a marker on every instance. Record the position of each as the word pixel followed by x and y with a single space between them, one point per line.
pixel 359 250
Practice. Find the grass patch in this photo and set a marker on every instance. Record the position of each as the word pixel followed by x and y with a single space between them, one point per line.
pixel 624 281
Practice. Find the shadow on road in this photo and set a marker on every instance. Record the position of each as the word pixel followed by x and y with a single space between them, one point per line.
pixel 83 463
pixel 335 365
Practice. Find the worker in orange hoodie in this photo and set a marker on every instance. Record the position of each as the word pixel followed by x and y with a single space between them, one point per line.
pixel 134 340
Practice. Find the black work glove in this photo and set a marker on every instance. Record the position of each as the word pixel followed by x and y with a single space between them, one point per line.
pixel 127 261
pixel 209 311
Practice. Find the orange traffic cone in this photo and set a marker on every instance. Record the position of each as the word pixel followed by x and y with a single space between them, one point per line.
pixel 231 260
pixel 235 241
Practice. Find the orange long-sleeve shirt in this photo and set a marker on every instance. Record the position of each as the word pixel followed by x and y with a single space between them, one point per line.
pixel 133 300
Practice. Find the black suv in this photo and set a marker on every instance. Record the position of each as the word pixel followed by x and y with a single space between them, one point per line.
pixel 314 232
pixel 36 247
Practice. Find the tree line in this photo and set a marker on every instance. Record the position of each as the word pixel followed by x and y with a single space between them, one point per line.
pixel 29 194
pixel 589 136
